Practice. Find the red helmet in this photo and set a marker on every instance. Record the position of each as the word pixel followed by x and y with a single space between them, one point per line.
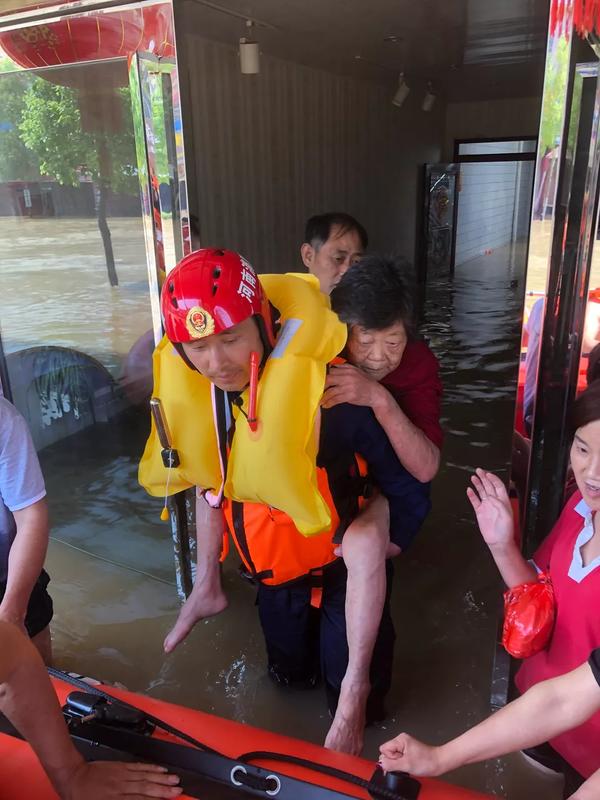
pixel 209 292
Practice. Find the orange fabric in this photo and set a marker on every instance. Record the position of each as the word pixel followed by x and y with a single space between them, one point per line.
pixel 275 544
pixel 316 596
pixel 224 547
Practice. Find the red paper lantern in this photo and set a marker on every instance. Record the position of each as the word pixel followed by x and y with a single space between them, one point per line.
pixel 583 15
pixel 92 37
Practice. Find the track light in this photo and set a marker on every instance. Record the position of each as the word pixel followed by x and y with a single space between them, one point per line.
pixel 249 52
pixel 429 99
pixel 401 92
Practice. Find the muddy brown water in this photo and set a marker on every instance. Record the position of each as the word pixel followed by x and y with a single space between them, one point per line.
pixel 111 561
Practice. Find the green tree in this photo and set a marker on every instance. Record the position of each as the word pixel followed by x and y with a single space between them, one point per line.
pixel 51 129
pixel 554 95
pixel 17 162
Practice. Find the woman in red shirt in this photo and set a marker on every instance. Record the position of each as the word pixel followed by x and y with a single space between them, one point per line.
pixel 571 556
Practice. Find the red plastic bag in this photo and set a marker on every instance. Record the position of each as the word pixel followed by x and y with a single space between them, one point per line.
pixel 528 617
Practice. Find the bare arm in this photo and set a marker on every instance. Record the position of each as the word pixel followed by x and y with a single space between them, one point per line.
pixel 29 702
pixel 590 789
pixel 417 454
pixel 493 510
pixel 513 568
pixel 546 710
pixel 25 560
pixel 210 524
pixel 27 699
pixel 207 597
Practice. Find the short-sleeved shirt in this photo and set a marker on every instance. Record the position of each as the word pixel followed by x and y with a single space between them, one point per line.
pixel 577 626
pixel 21 480
pixel 416 386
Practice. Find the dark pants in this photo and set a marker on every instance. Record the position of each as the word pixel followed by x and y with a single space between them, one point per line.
pixel 39 609
pixel 304 643
pixel 573 781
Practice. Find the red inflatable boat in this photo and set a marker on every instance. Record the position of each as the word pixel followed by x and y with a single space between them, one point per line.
pixel 216 759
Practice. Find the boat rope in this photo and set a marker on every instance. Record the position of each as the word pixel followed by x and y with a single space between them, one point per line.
pixel 409 787
pixel 406 788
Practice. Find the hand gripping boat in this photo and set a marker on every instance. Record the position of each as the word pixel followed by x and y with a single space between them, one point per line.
pixel 215 759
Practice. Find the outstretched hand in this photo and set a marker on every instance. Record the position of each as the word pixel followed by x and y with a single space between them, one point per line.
pixel 491 504
pixel 115 780
pixel 406 754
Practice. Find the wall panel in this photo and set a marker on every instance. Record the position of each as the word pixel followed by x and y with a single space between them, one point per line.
pixel 269 150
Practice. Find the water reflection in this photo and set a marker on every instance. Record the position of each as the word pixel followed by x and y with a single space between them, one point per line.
pixel 58 267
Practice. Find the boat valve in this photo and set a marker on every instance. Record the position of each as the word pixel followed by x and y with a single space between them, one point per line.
pixel 84 707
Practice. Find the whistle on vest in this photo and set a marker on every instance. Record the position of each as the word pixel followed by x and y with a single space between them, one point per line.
pixel 169 455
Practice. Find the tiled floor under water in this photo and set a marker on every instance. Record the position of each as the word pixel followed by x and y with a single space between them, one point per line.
pixel 112 576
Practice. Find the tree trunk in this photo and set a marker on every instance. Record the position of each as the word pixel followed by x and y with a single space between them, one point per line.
pixel 103 185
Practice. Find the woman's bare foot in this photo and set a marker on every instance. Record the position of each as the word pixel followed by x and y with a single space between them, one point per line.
pixel 199 605
pixel 347 730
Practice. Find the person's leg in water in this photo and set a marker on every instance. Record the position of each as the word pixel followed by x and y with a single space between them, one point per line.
pixel 365 547
pixel 290 626
pixel 207 597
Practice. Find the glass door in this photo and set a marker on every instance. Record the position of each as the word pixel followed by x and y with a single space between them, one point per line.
pixel 154 86
pixel 564 332
pixel 75 306
pixel 440 189
pixel 80 279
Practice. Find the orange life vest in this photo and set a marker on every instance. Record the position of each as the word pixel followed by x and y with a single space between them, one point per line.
pixel 272 549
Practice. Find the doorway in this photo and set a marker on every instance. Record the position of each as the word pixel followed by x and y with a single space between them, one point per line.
pixel 494 201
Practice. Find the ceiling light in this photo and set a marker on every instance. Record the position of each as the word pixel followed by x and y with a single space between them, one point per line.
pixel 401 92
pixel 429 99
pixel 249 53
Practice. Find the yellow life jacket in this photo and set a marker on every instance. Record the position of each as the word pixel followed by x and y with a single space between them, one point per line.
pixel 276 464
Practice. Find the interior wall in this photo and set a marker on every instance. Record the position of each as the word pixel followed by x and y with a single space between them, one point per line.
pixel 266 151
pixel 511 117
pixel 494 206
pixel 486 208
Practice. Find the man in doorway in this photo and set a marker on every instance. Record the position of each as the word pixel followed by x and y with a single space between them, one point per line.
pixel 24 600
pixel 332 243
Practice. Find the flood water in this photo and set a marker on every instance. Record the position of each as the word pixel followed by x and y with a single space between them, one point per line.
pixel 111 562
